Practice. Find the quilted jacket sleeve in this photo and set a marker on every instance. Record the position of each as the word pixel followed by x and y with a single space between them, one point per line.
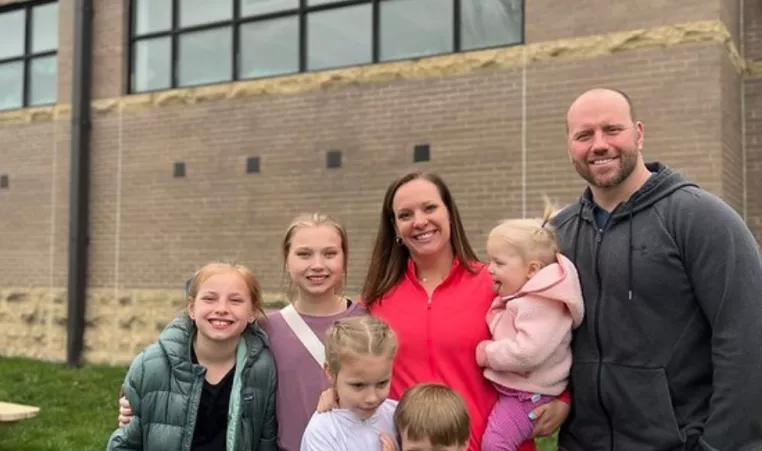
pixel 269 440
pixel 130 437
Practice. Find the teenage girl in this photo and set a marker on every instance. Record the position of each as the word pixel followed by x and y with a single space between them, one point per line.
pixel 360 355
pixel 315 261
pixel 209 382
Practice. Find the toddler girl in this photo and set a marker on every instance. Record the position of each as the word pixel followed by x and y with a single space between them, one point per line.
pixel 538 303
pixel 359 355
pixel 209 382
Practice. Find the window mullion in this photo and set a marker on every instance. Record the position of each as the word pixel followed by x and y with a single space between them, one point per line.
pixel 27 59
pixel 174 44
pixel 456 12
pixel 236 44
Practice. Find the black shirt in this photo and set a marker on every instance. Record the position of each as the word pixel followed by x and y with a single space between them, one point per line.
pixel 212 419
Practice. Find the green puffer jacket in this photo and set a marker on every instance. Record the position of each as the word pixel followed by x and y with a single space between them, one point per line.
pixel 163 387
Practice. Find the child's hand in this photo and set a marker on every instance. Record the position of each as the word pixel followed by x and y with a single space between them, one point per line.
pixel 327 401
pixel 125 412
pixel 481 355
pixel 386 443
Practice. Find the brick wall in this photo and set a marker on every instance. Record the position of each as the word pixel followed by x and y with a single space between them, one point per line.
pixel 754 154
pixel 753 29
pixel 549 19
pixel 753 107
pixel 483 115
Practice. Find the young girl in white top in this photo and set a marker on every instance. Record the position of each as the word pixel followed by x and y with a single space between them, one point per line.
pixel 359 355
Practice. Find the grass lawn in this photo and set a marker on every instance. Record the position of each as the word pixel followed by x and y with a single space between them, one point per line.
pixel 78 406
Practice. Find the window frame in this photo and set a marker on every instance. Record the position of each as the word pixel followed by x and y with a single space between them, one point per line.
pixel 29 56
pixel 302 12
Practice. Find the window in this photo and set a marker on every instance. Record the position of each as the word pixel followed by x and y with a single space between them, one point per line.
pixel 28 55
pixel 178 43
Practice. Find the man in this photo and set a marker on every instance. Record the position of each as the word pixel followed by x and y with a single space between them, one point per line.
pixel 669 356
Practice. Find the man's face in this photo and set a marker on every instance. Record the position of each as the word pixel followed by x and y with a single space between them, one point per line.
pixel 604 143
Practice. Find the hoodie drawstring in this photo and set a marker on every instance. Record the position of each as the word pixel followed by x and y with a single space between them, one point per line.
pixel 577 228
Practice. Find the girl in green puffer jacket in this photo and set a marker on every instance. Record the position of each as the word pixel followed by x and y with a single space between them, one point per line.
pixel 209 382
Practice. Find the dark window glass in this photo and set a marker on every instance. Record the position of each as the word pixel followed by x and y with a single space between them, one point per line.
pixel 269 47
pixel 152 62
pixel 200 12
pixel 28 48
pixel 205 57
pixel 45 27
pixel 339 37
pixel 11 85
pixel 489 23
pixel 152 16
pixel 215 41
pixel 12 30
pixel 257 7
pixel 43 80
pixel 414 28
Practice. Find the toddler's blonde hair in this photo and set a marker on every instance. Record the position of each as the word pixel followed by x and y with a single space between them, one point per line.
pixel 532 238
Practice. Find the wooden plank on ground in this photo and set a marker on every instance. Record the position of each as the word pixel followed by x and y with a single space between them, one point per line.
pixel 11 413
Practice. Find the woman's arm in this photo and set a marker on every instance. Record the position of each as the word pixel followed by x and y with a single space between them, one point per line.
pixel 130 436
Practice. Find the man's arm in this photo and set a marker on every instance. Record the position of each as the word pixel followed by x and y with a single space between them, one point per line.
pixel 724 265
pixel 130 437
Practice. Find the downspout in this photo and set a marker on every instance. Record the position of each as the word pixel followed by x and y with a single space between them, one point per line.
pixel 744 156
pixel 79 182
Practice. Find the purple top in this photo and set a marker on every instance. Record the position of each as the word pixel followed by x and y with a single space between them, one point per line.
pixel 300 379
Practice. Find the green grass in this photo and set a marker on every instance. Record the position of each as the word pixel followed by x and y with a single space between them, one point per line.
pixel 78 407
pixel 547 443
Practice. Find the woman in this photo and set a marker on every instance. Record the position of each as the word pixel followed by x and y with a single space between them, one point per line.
pixel 426 282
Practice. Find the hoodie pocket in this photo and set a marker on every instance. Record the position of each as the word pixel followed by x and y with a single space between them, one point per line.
pixel 640 405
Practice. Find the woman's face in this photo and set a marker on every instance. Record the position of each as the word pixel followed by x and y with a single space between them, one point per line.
pixel 421 218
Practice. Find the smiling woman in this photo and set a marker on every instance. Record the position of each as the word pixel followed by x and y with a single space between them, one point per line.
pixel 426 282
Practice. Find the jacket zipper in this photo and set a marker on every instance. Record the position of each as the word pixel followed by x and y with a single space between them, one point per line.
pixel 193 413
pixel 429 340
pixel 598 241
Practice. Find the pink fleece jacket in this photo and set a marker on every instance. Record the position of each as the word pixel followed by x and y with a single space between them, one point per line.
pixel 531 332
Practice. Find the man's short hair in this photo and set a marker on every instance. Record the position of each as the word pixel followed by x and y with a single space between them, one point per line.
pixel 624 95
pixel 434 412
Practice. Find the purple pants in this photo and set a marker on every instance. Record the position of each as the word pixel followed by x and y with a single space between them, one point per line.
pixel 509 424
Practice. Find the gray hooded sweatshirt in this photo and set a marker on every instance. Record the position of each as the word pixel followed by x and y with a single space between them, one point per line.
pixel 669 355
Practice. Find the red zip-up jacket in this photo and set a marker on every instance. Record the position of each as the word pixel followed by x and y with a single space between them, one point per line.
pixel 438 338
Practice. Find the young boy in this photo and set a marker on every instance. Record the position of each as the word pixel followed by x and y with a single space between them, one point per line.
pixel 430 417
